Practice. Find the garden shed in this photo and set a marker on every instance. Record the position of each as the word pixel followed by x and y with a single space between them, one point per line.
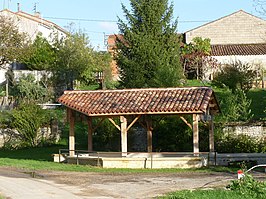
pixel 139 105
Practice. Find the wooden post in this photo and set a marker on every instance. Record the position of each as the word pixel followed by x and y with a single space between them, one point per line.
pixel 211 134
pixel 123 128
pixel 149 136
pixel 71 132
pixel 90 131
pixel 195 134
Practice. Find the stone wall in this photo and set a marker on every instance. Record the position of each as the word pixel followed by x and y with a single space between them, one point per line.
pixel 255 131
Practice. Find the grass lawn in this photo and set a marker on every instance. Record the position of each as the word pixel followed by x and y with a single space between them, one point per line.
pixel 258 104
pixel 207 194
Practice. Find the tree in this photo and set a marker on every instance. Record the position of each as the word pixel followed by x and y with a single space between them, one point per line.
pixel 42 55
pixel 13 45
pixel 74 61
pixel 148 53
pixel 194 57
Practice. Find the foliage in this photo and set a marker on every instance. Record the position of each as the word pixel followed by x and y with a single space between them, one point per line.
pixel 101 64
pixel 207 194
pixel 42 55
pixel 148 53
pixel 172 134
pixel 13 44
pixel 258 101
pixel 235 76
pixel 74 61
pixel 249 186
pixel 195 55
pixel 27 89
pixel 27 119
pixel 235 106
pixel 238 144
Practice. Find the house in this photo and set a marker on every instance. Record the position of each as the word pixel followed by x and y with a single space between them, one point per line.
pixel 32 25
pixel 239 36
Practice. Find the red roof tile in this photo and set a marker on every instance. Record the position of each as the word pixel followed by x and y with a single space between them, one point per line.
pixel 140 101
pixel 238 49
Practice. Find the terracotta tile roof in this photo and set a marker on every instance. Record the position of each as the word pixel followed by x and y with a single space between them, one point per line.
pixel 141 101
pixel 238 49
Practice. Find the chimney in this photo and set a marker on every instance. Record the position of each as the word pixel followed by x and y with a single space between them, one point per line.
pixel 37 14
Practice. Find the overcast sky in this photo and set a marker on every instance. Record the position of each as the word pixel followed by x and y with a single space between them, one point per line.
pixel 98 17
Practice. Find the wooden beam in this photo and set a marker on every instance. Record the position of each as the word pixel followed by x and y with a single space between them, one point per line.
pixel 90 132
pixel 186 122
pixel 71 133
pixel 195 134
pixel 149 135
pixel 211 134
pixel 133 122
pixel 123 121
pixel 113 122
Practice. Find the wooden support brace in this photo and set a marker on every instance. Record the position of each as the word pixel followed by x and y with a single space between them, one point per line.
pixel 187 123
pixel 113 122
pixel 133 122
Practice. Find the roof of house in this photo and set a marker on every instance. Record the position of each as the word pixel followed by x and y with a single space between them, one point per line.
pixel 187 100
pixel 35 18
pixel 238 49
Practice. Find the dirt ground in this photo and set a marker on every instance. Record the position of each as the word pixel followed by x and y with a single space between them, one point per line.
pixel 117 185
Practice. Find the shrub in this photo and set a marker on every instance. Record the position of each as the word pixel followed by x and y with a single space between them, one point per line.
pixel 248 185
pixel 239 144
pixel 235 106
pixel 27 119
pixel 235 76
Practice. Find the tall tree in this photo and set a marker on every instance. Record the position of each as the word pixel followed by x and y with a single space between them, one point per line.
pixel 13 45
pixel 148 53
pixel 74 60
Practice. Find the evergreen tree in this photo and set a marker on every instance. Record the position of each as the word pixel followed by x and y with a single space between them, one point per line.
pixel 148 53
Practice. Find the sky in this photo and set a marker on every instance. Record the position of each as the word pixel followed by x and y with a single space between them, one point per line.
pixel 97 18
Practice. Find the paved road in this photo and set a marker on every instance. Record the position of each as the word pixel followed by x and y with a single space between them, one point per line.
pixel 31 188
pixel 20 184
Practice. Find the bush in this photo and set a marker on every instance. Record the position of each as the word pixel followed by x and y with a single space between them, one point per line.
pixel 27 120
pixel 235 106
pixel 249 186
pixel 235 76
pixel 239 144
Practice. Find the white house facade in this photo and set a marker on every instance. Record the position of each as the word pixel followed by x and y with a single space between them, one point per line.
pixel 32 25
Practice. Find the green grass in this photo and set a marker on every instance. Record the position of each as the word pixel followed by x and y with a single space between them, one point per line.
pixel 258 104
pixel 257 96
pixel 207 194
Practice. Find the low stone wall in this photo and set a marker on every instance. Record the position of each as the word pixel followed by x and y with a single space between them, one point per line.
pixel 252 130
pixel 224 159
pixel 138 162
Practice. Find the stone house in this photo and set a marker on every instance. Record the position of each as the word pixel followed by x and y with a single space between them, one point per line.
pixel 239 36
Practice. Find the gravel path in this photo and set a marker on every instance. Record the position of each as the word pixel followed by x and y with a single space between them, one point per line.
pixel 20 184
